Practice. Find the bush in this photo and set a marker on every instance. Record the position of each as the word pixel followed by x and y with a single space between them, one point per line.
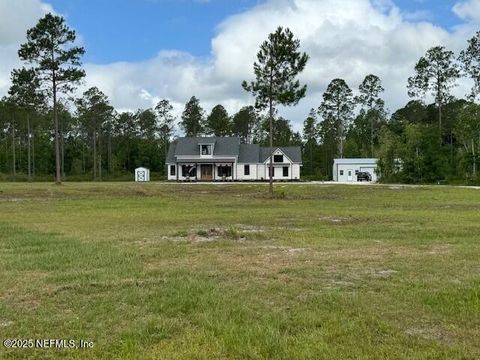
pixel 232 233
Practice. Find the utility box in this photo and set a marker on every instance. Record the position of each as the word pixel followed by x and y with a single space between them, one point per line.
pixel 142 174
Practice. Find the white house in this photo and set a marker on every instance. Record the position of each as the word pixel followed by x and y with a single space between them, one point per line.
pixel 142 174
pixel 346 170
pixel 226 159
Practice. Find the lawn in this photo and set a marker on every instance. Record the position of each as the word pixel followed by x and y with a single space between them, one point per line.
pixel 177 271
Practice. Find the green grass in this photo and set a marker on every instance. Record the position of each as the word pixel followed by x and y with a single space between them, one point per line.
pixel 183 271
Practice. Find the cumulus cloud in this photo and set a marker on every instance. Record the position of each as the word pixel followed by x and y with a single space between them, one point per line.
pixel 468 10
pixel 15 18
pixel 347 39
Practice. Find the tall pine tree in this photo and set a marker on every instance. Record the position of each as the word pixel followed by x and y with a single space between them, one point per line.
pixel 279 62
pixel 218 122
pixel 435 72
pixel 192 122
pixel 49 48
pixel 337 110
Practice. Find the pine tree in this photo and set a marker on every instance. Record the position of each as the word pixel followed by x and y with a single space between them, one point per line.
pixel 192 118
pixel 435 72
pixel 337 109
pixel 56 63
pixel 279 64
pixel 218 122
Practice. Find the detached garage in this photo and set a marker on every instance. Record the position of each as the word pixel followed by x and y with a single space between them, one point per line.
pixel 346 170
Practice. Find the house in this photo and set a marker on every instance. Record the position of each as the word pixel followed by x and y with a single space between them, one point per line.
pixel 346 170
pixel 226 159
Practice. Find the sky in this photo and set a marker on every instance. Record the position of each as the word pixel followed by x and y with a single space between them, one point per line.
pixel 141 51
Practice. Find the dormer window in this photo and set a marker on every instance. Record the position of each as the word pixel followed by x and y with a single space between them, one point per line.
pixel 278 158
pixel 206 150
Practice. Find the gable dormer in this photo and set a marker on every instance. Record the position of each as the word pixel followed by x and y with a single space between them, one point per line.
pixel 279 157
pixel 206 149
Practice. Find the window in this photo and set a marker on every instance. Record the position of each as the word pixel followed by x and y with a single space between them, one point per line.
pixel 341 172
pixel 224 171
pixel 356 172
pixel 246 170
pixel 285 171
pixel 172 170
pixel 278 158
pixel 189 171
pixel 206 149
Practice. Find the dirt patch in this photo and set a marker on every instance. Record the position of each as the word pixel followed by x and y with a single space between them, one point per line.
pixel 430 333
pixel 208 235
pixel 341 220
pixel 286 249
pixel 341 284
pixel 439 250
pixel 379 252
pixel 11 199
pixel 383 274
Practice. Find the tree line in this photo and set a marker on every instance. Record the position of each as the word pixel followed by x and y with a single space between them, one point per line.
pixel 44 130
pixel 419 143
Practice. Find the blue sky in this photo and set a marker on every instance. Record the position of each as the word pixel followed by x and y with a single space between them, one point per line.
pixel 134 30
pixel 436 11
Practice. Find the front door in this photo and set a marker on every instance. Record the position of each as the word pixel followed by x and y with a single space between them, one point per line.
pixel 207 171
pixel 349 175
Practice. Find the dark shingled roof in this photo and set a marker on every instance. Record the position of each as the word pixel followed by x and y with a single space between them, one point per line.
pixel 229 146
pixel 223 145
pixel 249 153
pixel 171 153
pixel 294 153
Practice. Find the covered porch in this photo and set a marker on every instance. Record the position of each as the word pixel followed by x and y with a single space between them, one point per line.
pixel 206 171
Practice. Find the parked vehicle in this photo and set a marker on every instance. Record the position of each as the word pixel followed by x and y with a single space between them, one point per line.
pixel 364 176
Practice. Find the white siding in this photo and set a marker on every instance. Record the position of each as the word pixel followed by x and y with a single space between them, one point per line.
pixel 257 172
pixel 241 172
pixel 261 172
pixel 293 169
pixel 296 171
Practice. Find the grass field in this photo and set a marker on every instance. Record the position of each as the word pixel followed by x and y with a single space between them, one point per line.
pixel 222 272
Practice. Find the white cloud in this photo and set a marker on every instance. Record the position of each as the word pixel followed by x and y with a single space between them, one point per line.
pixel 15 18
pixel 347 39
pixel 468 10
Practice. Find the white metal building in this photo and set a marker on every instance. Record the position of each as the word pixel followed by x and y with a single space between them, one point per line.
pixel 346 170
